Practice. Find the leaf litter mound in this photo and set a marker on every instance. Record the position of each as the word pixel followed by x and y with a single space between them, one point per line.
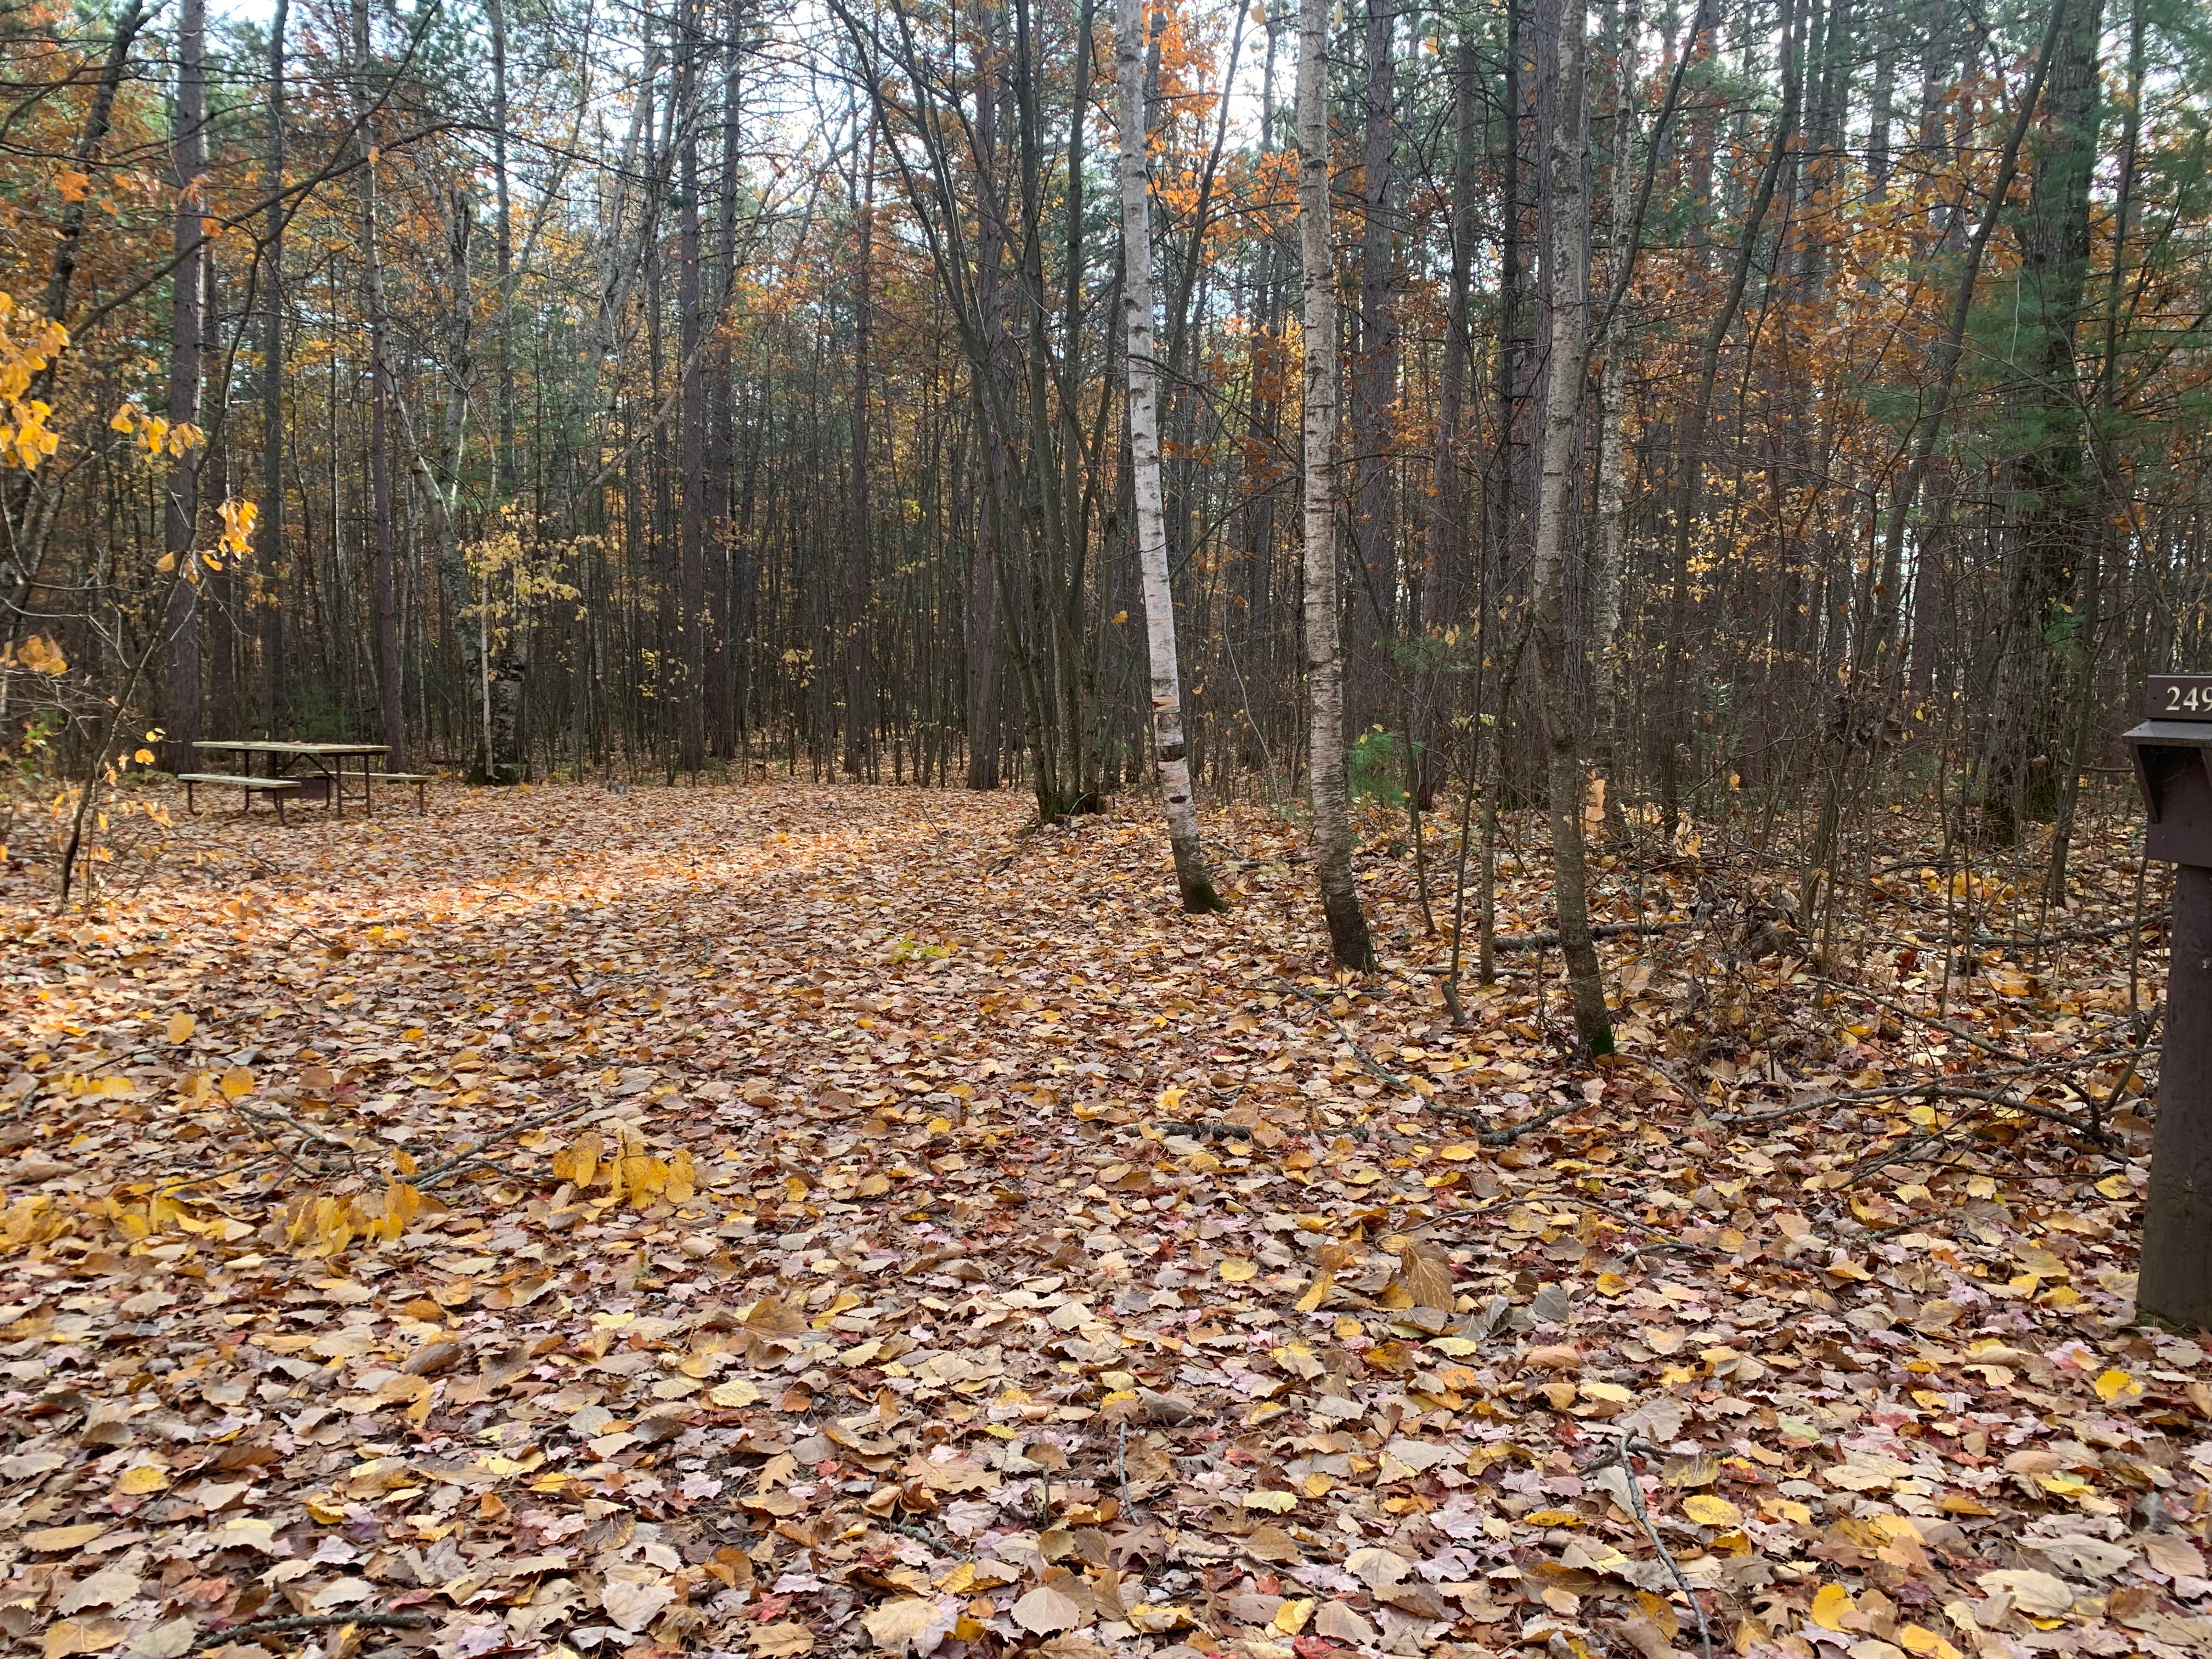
pixel 794 1221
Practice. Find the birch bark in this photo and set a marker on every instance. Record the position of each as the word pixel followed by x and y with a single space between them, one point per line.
pixel 1170 759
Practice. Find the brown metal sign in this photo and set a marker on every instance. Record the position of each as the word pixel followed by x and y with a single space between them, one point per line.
pixel 2179 698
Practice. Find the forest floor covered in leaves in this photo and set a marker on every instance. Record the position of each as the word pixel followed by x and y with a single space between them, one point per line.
pixel 776 1220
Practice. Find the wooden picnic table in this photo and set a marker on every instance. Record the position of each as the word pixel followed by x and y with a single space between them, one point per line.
pixel 327 760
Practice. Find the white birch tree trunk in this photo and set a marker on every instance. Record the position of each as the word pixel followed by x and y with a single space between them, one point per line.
pixel 1332 808
pixel 1169 755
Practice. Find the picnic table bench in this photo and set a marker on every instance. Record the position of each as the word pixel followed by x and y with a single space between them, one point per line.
pixel 421 780
pixel 275 788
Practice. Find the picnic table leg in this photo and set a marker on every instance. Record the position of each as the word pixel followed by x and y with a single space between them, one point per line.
pixel 189 805
pixel 367 788
pixel 277 796
pixel 337 791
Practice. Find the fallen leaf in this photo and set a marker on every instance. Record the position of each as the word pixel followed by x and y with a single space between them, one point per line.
pixel 2038 1593
pixel 633 1606
pixel 67 1636
pixel 915 1624
pixel 1709 1511
pixel 1045 1609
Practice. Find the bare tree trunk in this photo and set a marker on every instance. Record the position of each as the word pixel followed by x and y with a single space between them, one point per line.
pixel 503 253
pixel 1566 159
pixel 180 621
pixel 390 710
pixel 1170 755
pixel 273 591
pixel 1612 437
pixel 721 720
pixel 859 722
pixel 503 694
pixel 218 618
pixel 1374 618
pixel 1332 808
pixel 994 467
pixel 1447 528
pixel 691 625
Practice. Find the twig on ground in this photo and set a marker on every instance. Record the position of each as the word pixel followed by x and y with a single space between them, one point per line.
pixel 466 1156
pixel 916 1534
pixel 1121 1465
pixel 1357 1048
pixel 1942 1025
pixel 309 1621
pixel 1932 1089
pixel 1621 1453
pixel 1675 1083
pixel 1513 1131
pixel 1549 941
pixel 265 1114
pixel 1505 1137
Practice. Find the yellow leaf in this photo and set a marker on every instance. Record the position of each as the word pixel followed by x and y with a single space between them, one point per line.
pixel 237 1083
pixel 181 1026
pixel 1832 1603
pixel 1236 1270
pixel 166 563
pixel 1914 1639
pixel 2115 1384
pixel 1275 1501
pixel 733 1393
pixel 146 1477
pixel 1709 1511
pixel 1316 1292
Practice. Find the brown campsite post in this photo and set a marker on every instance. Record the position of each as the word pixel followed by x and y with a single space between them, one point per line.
pixel 2173 768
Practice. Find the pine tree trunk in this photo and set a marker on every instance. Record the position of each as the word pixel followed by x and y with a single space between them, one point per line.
pixel 1332 808
pixel 1170 755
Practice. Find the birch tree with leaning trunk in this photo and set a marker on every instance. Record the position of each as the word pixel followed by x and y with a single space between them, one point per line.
pixel 1332 807
pixel 1171 757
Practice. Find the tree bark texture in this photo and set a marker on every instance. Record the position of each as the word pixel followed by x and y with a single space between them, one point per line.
pixel 180 506
pixel 1171 755
pixel 1332 810
pixel 1566 161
